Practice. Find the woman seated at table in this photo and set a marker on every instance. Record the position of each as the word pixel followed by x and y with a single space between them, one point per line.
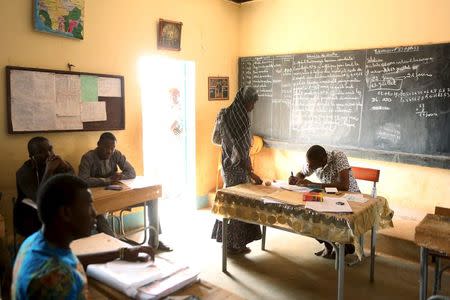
pixel 333 170
pixel 232 132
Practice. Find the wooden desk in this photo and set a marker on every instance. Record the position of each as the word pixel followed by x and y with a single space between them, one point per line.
pixel 432 233
pixel 102 242
pixel 202 289
pixel 108 200
pixel 245 203
pixel 148 194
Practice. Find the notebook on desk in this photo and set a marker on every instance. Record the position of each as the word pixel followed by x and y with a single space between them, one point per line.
pixel 149 279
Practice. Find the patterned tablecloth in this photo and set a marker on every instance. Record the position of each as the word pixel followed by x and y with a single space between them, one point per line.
pixel 245 202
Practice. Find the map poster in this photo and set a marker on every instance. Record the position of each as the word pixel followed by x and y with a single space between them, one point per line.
pixel 61 17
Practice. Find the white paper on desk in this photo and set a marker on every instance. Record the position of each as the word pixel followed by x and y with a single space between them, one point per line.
pixel 330 205
pixel 269 200
pixel 294 188
pixel 167 286
pixel 93 111
pixel 109 87
pixel 355 198
pixel 128 278
pixel 138 182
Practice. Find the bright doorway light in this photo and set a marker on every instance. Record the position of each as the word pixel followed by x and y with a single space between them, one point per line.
pixel 168 121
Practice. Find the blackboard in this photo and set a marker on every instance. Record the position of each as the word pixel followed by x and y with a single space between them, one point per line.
pixel 389 103
pixel 42 100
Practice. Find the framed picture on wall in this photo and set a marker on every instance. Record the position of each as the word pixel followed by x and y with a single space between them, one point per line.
pixel 169 35
pixel 64 19
pixel 218 88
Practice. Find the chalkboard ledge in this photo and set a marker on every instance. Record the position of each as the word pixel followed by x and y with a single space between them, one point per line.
pixel 435 161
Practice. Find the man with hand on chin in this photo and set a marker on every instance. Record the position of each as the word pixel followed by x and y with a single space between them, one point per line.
pixel 43 164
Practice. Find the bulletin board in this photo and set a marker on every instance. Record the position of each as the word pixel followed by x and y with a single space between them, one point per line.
pixel 40 100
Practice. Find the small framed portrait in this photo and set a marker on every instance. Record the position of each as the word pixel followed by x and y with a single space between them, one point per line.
pixel 218 88
pixel 169 35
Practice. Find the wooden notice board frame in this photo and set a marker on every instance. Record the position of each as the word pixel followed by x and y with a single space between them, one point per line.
pixel 115 106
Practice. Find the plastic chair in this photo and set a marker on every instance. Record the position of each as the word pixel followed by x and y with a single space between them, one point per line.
pixel 367 175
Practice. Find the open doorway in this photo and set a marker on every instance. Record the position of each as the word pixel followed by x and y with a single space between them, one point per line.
pixel 168 121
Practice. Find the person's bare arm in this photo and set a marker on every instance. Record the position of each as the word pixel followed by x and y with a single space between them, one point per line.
pixel 301 175
pixel 128 171
pixel 129 254
pixel 342 185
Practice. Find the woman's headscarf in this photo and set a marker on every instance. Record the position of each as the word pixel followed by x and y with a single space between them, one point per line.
pixel 233 125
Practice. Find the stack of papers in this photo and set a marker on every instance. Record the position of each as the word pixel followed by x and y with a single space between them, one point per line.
pixel 162 288
pixel 330 205
pixel 128 277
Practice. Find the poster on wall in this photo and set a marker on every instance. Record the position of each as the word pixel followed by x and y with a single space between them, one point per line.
pixel 61 17
pixel 218 88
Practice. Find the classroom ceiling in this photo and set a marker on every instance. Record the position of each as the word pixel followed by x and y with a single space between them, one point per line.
pixel 241 1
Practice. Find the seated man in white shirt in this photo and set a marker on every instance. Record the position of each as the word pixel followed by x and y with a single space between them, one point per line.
pixel 333 170
pixel 99 167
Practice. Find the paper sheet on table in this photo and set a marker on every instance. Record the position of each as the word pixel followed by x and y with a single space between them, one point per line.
pixel 355 198
pixel 68 95
pixel 93 111
pixel 294 188
pixel 268 200
pixel 138 182
pixel 284 196
pixel 167 286
pixel 329 205
pixel 89 88
pixel 109 87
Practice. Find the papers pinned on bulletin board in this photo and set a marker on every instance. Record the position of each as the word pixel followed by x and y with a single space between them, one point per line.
pixel 109 87
pixel 53 100
pixel 334 205
pixel 93 111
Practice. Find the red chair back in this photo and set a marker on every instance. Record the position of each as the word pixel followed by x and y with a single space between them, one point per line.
pixel 367 175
